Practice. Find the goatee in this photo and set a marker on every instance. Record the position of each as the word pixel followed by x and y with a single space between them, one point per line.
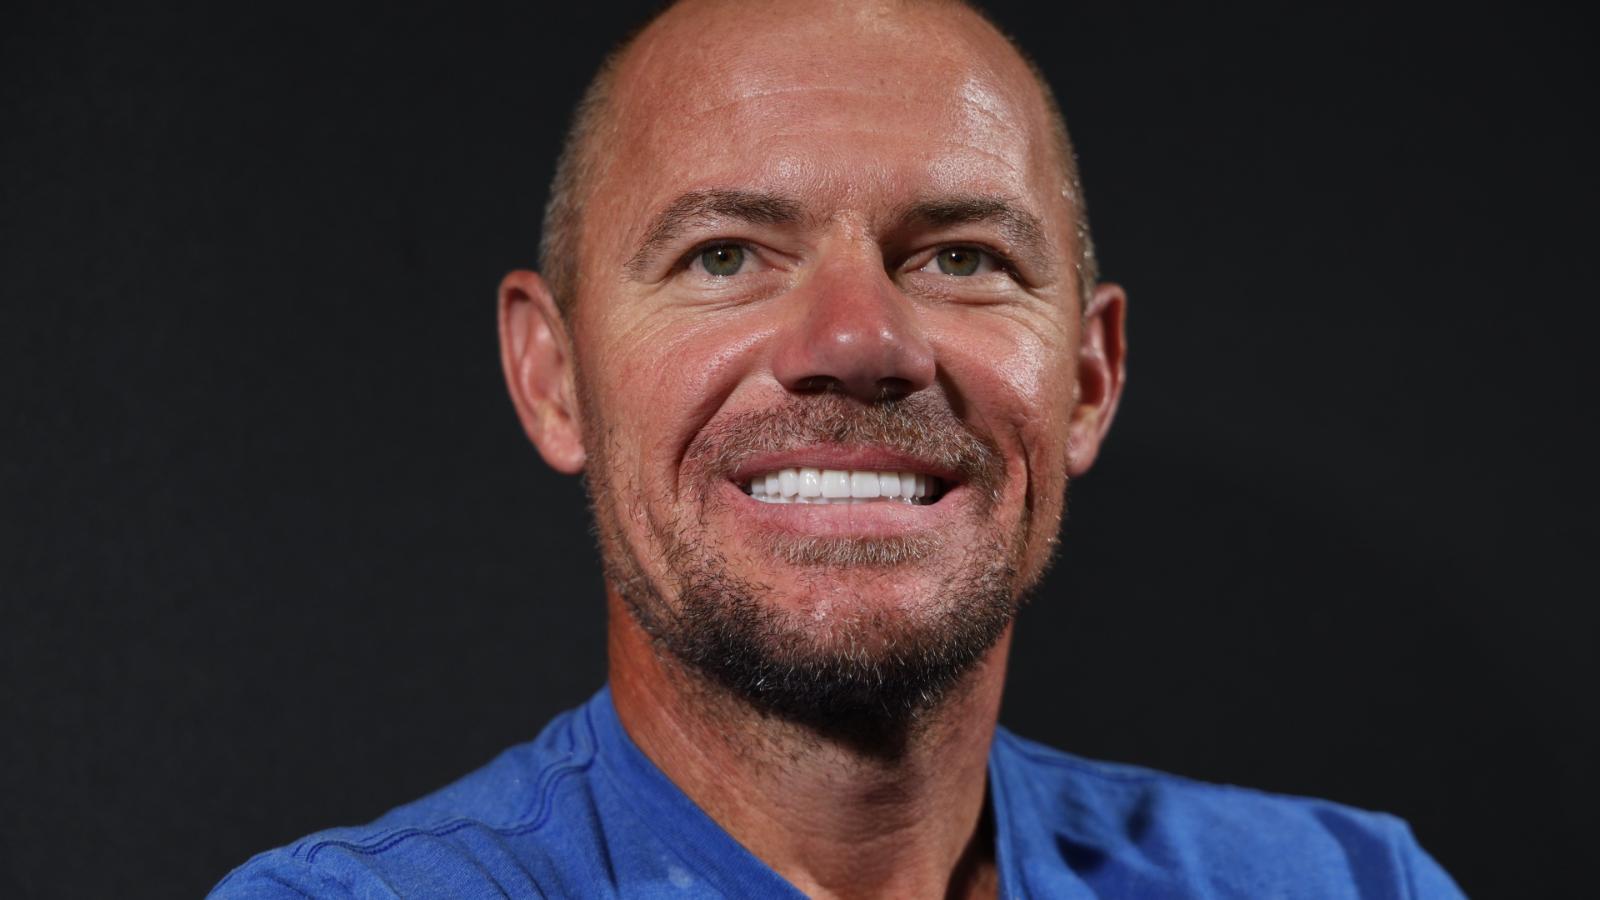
pixel 866 673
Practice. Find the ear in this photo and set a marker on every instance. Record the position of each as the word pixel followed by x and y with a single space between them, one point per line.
pixel 536 351
pixel 1102 354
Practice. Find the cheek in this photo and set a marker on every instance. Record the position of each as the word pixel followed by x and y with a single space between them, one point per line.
pixel 659 379
pixel 1014 378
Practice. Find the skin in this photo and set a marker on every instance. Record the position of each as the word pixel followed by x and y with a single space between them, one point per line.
pixel 853 112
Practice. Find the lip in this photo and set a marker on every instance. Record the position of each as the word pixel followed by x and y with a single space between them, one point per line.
pixel 853 520
pixel 859 458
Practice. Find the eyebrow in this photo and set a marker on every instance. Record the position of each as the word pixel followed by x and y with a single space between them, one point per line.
pixel 700 207
pixel 1021 229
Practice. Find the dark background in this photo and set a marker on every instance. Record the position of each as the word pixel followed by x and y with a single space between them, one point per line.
pixel 275 554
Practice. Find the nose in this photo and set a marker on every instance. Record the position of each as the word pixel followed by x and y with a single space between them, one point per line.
pixel 856 333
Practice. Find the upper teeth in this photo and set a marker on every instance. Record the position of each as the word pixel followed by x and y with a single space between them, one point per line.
pixel 808 485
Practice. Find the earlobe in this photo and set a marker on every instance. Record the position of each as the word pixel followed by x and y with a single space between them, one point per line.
pixel 1102 369
pixel 536 353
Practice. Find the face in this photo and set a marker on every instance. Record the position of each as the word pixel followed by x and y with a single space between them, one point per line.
pixel 829 372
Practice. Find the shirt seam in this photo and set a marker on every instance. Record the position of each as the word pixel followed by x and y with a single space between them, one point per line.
pixel 550 777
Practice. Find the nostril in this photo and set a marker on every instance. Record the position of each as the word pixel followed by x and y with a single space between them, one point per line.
pixel 894 388
pixel 818 384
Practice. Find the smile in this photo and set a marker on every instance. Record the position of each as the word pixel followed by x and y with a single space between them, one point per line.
pixel 805 484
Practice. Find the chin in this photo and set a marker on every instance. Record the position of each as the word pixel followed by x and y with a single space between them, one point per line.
pixel 842 631
pixel 855 608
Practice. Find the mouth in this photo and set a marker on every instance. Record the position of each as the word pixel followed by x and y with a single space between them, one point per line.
pixel 846 492
pixel 823 486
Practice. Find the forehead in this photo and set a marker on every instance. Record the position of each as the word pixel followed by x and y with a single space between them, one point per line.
pixel 841 104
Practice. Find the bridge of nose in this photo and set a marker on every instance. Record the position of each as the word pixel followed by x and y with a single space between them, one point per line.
pixel 856 333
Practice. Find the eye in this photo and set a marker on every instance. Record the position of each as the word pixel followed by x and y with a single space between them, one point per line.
pixel 722 260
pixel 963 261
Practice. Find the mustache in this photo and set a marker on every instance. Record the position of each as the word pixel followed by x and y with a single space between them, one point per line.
pixel 919 426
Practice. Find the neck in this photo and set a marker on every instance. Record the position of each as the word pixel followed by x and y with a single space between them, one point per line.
pixel 834 816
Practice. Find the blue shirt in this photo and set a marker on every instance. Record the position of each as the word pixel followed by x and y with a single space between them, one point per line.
pixel 582 812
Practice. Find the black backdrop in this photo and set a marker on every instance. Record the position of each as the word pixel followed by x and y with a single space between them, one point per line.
pixel 277 556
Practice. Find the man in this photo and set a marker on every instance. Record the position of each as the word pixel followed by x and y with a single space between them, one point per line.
pixel 821 326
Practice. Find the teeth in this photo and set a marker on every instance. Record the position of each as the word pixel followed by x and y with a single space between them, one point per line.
pixel 811 485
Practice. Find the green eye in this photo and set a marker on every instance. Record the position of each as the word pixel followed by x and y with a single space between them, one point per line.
pixel 960 260
pixel 723 260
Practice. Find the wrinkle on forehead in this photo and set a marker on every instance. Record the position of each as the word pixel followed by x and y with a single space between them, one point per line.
pixel 986 107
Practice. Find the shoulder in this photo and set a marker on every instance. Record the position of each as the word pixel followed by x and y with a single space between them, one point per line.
pixel 1148 831
pixel 492 833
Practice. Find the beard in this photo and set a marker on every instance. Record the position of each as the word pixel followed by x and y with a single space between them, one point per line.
pixel 861 670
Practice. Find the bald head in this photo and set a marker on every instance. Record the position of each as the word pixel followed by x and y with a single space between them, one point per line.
pixel 697 57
